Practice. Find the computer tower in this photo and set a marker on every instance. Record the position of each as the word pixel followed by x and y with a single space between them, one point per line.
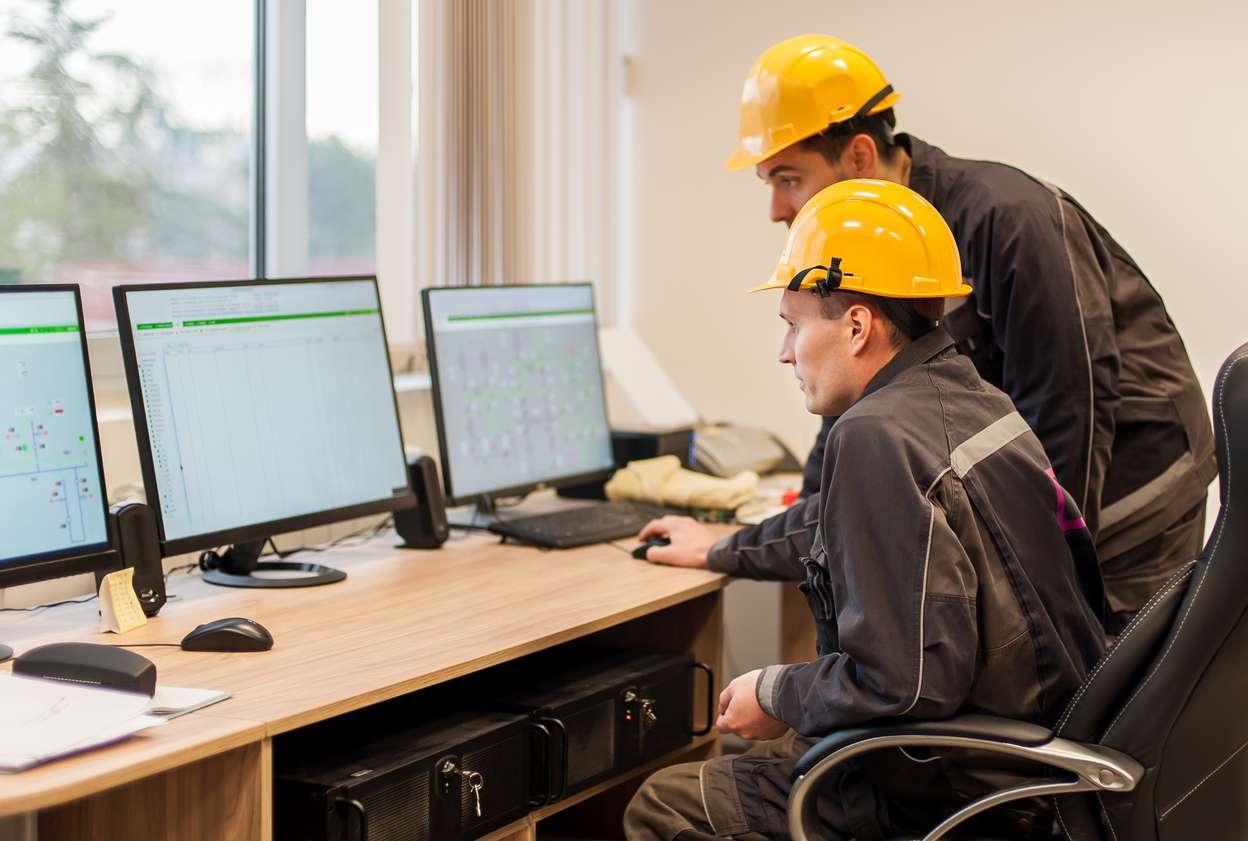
pixel 458 777
pixel 604 713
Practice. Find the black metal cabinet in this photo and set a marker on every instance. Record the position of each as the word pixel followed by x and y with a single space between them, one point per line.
pixel 602 713
pixel 458 777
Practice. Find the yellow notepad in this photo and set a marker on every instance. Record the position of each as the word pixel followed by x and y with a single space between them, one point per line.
pixel 120 610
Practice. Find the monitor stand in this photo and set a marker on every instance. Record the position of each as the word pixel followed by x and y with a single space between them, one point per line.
pixel 478 515
pixel 234 568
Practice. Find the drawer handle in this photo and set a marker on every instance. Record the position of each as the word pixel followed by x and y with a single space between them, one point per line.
pixel 563 734
pixel 357 807
pixel 710 696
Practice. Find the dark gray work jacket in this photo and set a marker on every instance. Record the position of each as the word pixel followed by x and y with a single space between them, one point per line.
pixel 949 568
pixel 1064 322
pixel 950 572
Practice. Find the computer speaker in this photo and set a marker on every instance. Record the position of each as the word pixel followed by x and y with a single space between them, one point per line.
pixel 138 546
pixel 424 525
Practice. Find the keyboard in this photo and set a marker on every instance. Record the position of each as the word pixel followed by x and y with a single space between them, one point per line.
pixel 597 523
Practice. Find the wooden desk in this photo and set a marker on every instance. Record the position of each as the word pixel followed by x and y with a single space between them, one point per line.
pixel 402 621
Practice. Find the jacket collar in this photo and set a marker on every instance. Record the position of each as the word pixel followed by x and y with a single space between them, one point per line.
pixel 923 349
pixel 923 162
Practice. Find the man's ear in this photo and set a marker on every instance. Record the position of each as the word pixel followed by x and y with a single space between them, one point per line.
pixel 859 319
pixel 861 157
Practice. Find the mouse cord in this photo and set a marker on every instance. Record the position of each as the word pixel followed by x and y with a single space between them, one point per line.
pixel 144 644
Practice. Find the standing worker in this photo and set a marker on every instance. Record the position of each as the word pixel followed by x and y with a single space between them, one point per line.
pixel 1061 319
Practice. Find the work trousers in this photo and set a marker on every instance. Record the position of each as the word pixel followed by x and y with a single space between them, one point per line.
pixel 700 801
pixel 745 797
pixel 1132 577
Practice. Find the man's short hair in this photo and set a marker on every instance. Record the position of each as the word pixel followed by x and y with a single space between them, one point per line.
pixel 831 142
pixel 903 320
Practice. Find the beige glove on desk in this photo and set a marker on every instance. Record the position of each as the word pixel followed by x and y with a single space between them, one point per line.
pixel 664 481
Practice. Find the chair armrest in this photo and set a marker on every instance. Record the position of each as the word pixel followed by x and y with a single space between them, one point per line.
pixel 1089 767
pixel 987 727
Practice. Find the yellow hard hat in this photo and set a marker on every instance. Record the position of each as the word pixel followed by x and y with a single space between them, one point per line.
pixel 801 86
pixel 874 237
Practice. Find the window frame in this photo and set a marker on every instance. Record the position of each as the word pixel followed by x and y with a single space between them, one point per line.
pixel 279 171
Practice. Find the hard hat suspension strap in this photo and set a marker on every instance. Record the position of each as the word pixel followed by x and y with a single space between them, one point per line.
pixel 824 286
pixel 908 319
pixel 854 123
pixel 871 103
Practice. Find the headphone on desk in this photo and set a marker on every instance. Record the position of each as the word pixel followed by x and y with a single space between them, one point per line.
pixel 234 568
pixel 233 561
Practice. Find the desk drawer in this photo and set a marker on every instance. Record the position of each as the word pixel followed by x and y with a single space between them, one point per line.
pixel 455 778
pixel 601 715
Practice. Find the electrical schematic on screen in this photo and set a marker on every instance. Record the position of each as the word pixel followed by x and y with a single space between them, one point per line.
pixel 48 475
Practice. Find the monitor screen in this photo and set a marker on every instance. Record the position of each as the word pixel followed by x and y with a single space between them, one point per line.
pixel 517 387
pixel 265 406
pixel 52 499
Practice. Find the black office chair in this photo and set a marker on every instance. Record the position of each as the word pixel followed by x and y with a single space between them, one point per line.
pixel 1154 745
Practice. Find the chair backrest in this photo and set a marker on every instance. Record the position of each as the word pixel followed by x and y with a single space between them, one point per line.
pixel 1172 692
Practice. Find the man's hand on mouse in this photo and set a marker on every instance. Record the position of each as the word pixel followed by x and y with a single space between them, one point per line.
pixel 690 541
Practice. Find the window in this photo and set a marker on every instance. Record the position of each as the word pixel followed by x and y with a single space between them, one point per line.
pixel 128 142
pixel 341 127
pixel 125 143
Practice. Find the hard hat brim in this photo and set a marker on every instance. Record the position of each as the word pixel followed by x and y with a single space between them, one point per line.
pixel 741 159
pixel 771 284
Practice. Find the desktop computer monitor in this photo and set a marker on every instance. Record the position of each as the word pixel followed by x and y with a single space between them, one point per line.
pixel 261 407
pixel 53 508
pixel 518 388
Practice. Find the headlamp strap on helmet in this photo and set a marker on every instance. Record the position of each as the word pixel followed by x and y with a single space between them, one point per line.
pixel 872 102
pixel 854 123
pixel 909 320
pixel 824 286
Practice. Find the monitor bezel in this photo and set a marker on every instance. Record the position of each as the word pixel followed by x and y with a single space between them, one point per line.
pixel 254 531
pixel 27 569
pixel 436 388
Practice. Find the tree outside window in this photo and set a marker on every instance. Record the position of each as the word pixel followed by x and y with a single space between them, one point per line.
pixel 126 149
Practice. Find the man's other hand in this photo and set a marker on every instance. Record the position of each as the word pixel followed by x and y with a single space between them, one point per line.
pixel 690 541
pixel 740 713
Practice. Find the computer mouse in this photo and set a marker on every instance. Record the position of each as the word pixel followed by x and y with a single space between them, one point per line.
pixel 232 634
pixel 640 552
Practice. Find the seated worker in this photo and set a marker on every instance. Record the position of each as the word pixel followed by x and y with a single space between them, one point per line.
pixel 949 571
pixel 1060 318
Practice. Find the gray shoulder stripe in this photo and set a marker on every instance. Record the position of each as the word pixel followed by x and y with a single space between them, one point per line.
pixel 986 442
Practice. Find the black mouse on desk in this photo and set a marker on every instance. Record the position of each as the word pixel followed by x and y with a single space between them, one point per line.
pixel 640 552
pixel 233 634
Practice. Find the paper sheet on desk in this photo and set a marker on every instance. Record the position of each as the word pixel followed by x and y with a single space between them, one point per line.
pixel 173 701
pixel 46 719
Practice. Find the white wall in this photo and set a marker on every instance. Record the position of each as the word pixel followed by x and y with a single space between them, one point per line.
pixel 1137 109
